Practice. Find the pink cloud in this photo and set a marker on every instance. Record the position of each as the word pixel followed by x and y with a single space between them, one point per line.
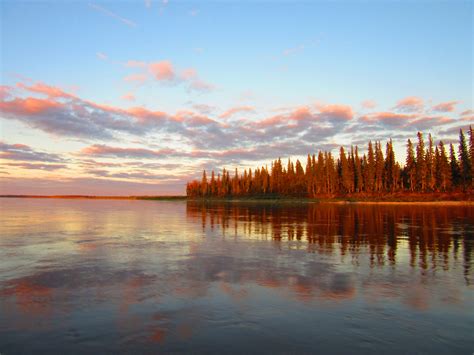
pixel 144 115
pixel 368 104
pixel 22 152
pixel 104 150
pixel 235 110
pixel 5 91
pixel 338 112
pixel 140 78
pixel 44 89
pixel 28 106
pixel 423 123
pixel 135 64
pixel 188 74
pixel 410 104
pixel 467 112
pixel 38 166
pixel 389 118
pixel 162 71
pixel 449 106
pixel 200 85
pixel 128 97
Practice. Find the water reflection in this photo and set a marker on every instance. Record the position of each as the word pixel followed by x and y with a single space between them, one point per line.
pixel 431 237
pixel 144 276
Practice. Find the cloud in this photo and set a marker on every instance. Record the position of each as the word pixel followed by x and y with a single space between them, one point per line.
pixel 300 47
pixel 102 56
pixel 197 134
pixel 235 110
pixel 139 78
pixel 410 104
pixel 336 112
pixel 165 72
pixel 41 88
pixel 203 108
pixel 200 86
pixel 104 150
pixel 37 166
pixel 467 112
pixel 428 122
pixel 22 152
pixel 449 106
pixel 388 118
pixel 368 104
pixel 88 186
pixel 162 71
pixel 128 97
pixel 113 15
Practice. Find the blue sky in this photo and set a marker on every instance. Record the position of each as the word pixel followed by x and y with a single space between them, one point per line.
pixel 269 57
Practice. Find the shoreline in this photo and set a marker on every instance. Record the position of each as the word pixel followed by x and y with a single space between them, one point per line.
pixel 457 199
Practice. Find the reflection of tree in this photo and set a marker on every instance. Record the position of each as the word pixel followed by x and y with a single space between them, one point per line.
pixel 432 235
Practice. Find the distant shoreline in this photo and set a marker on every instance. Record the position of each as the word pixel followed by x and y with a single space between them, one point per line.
pixel 449 199
pixel 89 197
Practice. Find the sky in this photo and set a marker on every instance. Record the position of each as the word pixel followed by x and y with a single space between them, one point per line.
pixel 138 97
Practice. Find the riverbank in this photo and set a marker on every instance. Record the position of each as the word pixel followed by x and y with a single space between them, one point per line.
pixel 161 198
pixel 447 199
pixel 455 198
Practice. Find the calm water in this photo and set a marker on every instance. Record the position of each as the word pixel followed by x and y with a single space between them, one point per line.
pixel 146 276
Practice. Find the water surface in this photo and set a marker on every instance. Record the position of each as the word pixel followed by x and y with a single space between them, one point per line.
pixel 146 276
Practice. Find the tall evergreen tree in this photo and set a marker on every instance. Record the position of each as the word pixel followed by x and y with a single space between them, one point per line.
pixel 430 171
pixel 410 166
pixel 379 167
pixel 471 154
pixel 455 172
pixel 444 169
pixel 465 161
pixel 421 170
pixel 204 184
pixel 370 171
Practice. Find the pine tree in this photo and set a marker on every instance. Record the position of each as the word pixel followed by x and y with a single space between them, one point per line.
pixel 390 170
pixel 213 186
pixel 379 167
pixel 358 180
pixel 455 172
pixel 430 175
pixel 444 169
pixel 421 170
pixel 465 161
pixel 370 171
pixel 204 189
pixel 430 170
pixel 471 154
pixel 410 166
pixel 344 172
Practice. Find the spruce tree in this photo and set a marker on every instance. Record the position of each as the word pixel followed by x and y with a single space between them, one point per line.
pixel 410 166
pixel 455 172
pixel 421 170
pixel 465 161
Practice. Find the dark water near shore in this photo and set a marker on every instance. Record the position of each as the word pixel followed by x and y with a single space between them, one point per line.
pixel 145 277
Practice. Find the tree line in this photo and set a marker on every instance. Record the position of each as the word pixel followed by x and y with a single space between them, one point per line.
pixel 428 167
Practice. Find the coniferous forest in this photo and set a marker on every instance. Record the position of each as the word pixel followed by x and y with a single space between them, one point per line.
pixel 428 167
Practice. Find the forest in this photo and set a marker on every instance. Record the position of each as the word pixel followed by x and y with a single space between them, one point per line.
pixel 428 167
